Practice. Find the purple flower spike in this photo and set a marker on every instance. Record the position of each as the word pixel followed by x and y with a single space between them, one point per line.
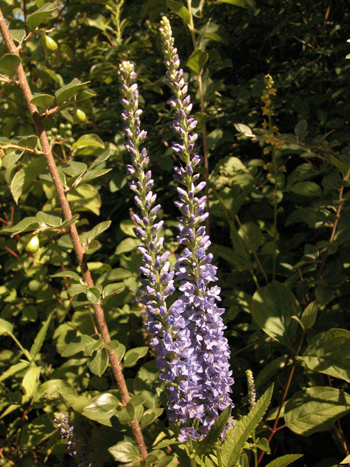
pixel 200 363
pixel 74 446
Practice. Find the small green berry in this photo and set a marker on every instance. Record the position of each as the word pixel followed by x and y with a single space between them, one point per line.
pixel 54 131
pixel 68 126
pixel 33 245
pixel 79 115
pixel 68 133
pixel 49 44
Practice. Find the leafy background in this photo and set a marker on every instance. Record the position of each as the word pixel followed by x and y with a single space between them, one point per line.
pixel 302 45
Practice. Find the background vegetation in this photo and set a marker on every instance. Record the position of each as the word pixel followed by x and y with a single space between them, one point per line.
pixel 279 217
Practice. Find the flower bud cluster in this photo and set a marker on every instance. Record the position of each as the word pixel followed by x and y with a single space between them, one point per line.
pixel 74 446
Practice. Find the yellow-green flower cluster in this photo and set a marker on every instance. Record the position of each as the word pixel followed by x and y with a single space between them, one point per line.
pixel 267 109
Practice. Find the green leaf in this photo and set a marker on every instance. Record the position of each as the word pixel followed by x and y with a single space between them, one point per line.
pixel 113 289
pixel 127 245
pixel 31 380
pixel 208 443
pixel 97 230
pixel 99 362
pixel 17 35
pixel 39 340
pixel 300 129
pixel 127 226
pixel 214 137
pixel 124 452
pixel 85 198
pixel 36 432
pixel 11 158
pixel 5 327
pixel 236 437
pixel 13 369
pixel 93 295
pixel 30 141
pixel 9 64
pixel 29 223
pixel 308 318
pixel 344 168
pixel 88 141
pixel 23 179
pixel 133 355
pixel 69 90
pixel 307 189
pixel 49 218
pixel 101 158
pixel 77 345
pixel 126 414
pixel 197 60
pixel 243 3
pixel 329 353
pixel 315 409
pixel 76 289
pixel 283 461
pixel 74 168
pixel 180 10
pixel 149 416
pixel 102 404
pixel 43 101
pixel 68 274
pixel 273 307
pixel 40 16
pixel 54 389
pixel 93 174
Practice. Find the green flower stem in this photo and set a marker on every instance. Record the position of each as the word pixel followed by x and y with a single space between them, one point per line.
pixel 73 233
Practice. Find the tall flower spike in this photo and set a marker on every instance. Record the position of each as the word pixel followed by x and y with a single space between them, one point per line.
pixel 74 446
pixel 157 279
pixel 201 371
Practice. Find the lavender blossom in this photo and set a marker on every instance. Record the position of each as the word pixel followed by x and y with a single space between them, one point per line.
pixel 74 446
pixel 157 279
pixel 200 368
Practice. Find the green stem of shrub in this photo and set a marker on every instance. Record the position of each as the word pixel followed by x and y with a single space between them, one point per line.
pixel 73 233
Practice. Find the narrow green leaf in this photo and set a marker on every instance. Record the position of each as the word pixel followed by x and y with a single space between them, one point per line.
pixel 99 362
pixel 307 189
pixel 308 318
pixel 9 64
pixel 29 223
pixel 133 355
pixel 77 345
pixel 208 443
pixel 93 174
pixel 40 16
pixel 283 461
pixel 68 274
pixel 329 353
pixel 69 90
pixel 197 60
pixel 97 230
pixel 91 140
pixel 236 437
pixel 101 158
pixel 273 307
pixel 39 340
pixel 243 3
pixel 344 168
pixel 30 380
pixel 315 409
pixel 113 289
pixel 14 369
pixel 180 10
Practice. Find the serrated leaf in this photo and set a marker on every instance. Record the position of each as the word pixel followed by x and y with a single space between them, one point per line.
pixel 17 35
pixel 77 345
pixel 180 10
pixel 124 452
pixel 283 461
pixel 133 355
pixel 315 409
pixel 113 289
pixel 197 60
pixel 9 64
pixel 39 340
pixel 329 353
pixel 30 380
pixel 11 158
pixel 236 437
pixel 12 370
pixel 208 443
pixel 99 362
pixel 40 16
pixel 69 90
pixel 43 101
